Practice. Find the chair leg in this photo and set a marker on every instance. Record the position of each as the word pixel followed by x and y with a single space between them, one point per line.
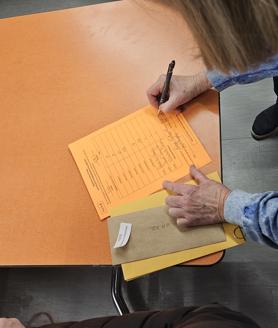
pixel 116 290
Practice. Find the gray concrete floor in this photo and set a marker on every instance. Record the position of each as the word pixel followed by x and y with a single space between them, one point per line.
pixel 10 8
pixel 246 280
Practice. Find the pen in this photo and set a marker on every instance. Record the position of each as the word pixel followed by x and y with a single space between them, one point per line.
pixel 165 90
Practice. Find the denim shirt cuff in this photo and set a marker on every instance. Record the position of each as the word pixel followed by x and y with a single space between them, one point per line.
pixel 234 206
pixel 219 81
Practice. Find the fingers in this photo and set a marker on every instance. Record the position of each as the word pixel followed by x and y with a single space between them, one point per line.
pixel 175 212
pixel 189 222
pixel 182 222
pixel 178 188
pixel 170 105
pixel 176 95
pixel 155 90
pixel 174 201
pixel 197 175
pixel 187 219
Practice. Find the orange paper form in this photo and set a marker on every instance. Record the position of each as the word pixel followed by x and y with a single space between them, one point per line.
pixel 130 158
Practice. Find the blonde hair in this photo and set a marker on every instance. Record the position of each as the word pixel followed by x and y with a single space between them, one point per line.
pixel 231 34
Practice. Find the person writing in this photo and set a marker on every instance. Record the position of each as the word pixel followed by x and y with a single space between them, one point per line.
pixel 238 43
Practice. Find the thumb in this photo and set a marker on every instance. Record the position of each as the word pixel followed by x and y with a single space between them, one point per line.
pixel 170 104
pixel 197 175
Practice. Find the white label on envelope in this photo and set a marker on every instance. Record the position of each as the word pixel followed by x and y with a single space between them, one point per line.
pixel 123 235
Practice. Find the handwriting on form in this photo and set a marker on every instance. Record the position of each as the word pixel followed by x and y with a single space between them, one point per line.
pixel 130 158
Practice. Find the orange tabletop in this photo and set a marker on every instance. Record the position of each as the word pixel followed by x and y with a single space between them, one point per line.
pixel 63 75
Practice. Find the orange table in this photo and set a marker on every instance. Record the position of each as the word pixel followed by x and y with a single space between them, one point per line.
pixel 63 75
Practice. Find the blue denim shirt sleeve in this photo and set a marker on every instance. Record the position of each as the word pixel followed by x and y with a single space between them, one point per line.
pixel 256 214
pixel 221 81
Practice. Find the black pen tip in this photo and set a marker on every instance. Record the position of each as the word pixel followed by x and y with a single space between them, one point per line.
pixel 171 66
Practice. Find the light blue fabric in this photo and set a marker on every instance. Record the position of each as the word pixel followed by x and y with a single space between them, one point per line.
pixel 221 81
pixel 257 214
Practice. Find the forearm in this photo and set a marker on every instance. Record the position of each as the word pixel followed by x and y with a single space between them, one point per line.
pixel 256 214
pixel 221 81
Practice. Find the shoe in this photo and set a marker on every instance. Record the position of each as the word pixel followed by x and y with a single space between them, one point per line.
pixel 266 123
pixel 39 315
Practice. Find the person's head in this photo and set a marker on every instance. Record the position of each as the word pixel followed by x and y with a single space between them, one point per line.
pixel 231 34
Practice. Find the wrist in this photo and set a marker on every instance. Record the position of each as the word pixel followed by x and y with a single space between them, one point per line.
pixel 202 82
pixel 234 206
pixel 223 197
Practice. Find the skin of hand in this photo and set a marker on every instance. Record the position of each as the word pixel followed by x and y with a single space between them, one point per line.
pixel 201 204
pixel 182 90
pixel 10 323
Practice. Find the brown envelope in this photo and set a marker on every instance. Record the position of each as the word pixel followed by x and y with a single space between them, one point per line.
pixel 155 233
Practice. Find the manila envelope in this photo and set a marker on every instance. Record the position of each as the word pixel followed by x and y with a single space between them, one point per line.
pixel 155 233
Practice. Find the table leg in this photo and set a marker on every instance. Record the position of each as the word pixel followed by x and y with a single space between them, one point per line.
pixel 116 290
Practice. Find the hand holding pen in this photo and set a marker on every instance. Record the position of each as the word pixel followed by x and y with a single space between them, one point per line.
pixel 182 89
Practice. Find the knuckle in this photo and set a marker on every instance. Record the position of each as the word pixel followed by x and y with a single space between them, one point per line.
pixel 184 199
pixel 180 203
pixel 185 202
